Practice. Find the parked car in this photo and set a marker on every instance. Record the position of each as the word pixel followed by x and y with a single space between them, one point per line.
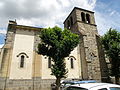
pixel 65 83
pixel 93 86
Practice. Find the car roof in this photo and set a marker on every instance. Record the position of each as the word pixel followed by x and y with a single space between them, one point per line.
pixel 92 85
pixel 79 82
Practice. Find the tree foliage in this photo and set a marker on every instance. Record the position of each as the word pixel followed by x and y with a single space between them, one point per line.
pixel 111 43
pixel 57 44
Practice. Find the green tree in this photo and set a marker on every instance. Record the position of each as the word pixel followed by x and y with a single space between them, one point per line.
pixel 111 44
pixel 57 44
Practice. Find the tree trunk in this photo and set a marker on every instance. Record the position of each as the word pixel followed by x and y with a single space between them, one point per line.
pixel 116 79
pixel 58 83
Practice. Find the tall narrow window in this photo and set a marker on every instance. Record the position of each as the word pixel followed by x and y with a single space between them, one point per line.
pixel 71 20
pixel 71 61
pixel 49 62
pixel 22 61
pixel 88 18
pixel 68 24
pixel 83 16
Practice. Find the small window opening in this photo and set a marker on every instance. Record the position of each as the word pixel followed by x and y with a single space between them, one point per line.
pixel 88 18
pixel 83 16
pixel 22 61
pixel 49 62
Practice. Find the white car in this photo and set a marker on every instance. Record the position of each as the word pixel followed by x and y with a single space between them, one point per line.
pixel 66 83
pixel 94 86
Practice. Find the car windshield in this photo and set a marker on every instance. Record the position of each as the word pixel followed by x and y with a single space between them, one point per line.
pixel 114 88
pixel 76 88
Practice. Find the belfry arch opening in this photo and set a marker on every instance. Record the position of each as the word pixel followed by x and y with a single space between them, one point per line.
pixel 83 16
pixel 68 24
pixel 87 18
pixel 71 21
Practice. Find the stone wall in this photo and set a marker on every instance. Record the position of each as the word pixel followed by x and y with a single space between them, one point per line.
pixel 25 84
pixel 103 65
pixel 4 71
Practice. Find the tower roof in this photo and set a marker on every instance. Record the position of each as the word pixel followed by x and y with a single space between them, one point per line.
pixel 78 9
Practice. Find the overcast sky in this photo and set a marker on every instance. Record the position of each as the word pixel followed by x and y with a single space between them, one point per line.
pixel 48 13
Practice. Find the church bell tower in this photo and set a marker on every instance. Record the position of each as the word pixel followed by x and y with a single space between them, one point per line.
pixel 82 22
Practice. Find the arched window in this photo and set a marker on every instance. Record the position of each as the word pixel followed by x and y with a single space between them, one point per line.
pixel 68 24
pixel 71 21
pixel 72 59
pixel 83 16
pixel 71 62
pixel 22 61
pixel 88 18
pixel 49 62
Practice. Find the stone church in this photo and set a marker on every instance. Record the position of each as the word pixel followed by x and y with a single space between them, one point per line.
pixel 21 68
